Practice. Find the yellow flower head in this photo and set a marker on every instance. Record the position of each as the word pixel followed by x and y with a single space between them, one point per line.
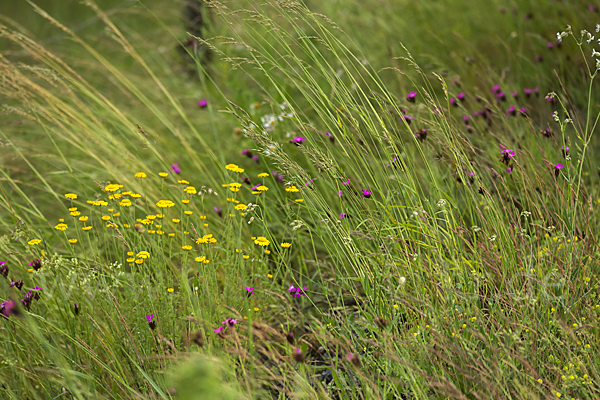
pixel 163 174
pixel 151 217
pixel 73 209
pixel 241 207
pixel 165 203
pixel 185 201
pixel 234 189
pixel 72 241
pixel 127 193
pixel 130 259
pixel 231 167
pixel 139 261
pixel 170 290
pixel 176 220
pixel 159 216
pixel 292 189
pixel 113 187
pixel 190 190
pixel 246 256
pixel 34 242
pixel 114 196
pixel 130 253
pixel 83 218
pixel 285 245
pixel 125 203
pixel 136 195
pixel 188 212
pixel 263 175
pixel 106 217
pixel 183 182
pixel 186 247
pixel 200 259
pixel 143 254
pixel 61 227
pixel 140 175
pixel 262 188
pixel 261 241
pixel 75 213
pixel 71 196
pixel 87 228
pixel 299 200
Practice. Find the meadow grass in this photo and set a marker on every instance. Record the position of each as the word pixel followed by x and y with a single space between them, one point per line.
pixel 386 200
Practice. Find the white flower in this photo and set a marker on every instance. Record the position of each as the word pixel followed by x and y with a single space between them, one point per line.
pixel 595 53
pixel 402 280
pixel 597 28
pixel 269 121
pixel 558 36
pixel 590 38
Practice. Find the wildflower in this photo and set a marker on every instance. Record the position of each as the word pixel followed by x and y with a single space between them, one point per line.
pixel 9 307
pixel 461 97
pixel 18 284
pixel 4 269
pixel 186 247
pixel 411 97
pixel 538 58
pixel 250 290
pixel 136 195
pixel 298 355
pixel 511 111
pixel 353 358
pixel 507 154
pixel 262 188
pixel 500 96
pixel 231 322
pixel 165 203
pixel 261 241
pixel 547 133
pixel 366 193
pixel 466 119
pixel 200 259
pixel 176 220
pixel 296 292
pixel 496 88
pixel 241 207
pixel 263 175
pixel 187 212
pixel 342 215
pixel 151 322
pixel 106 217
pixel 218 211
pixel 219 330
pixel 290 338
pixel 292 189
pixel 523 111
pixel 125 203
pixel 298 140
pixel 175 168
pixel 421 135
pixel 453 102
pixel 557 168
pixel 34 242
pixel 86 228
pixel 406 118
pixel 61 227
pixel 143 254
pixel 285 245
pixel 140 175
pixel 72 241
pixel 112 187
pixel 330 136
pixel 203 103
pixel 170 290
pixel 565 151
pixel 71 196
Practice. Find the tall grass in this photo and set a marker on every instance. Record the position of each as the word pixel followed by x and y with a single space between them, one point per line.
pixel 432 257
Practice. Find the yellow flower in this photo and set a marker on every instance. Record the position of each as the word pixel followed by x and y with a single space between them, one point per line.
pixel 190 190
pixel 206 261
pixel 299 200
pixel 83 218
pixel 91 202
pixel 165 203
pixel 292 189
pixel 130 253
pixel 262 188
pixel 170 290
pixel 157 226
pixel 146 221
pixel 246 257
pixel 261 241
pixel 231 167
pixel 256 192
pixel 176 220
pixel 185 201
pixel 188 212
pixel 171 234
pixel 151 217
pixel 71 196
pixel 114 196
pixel 113 187
pixel 239 170
pixel 111 209
pixel 183 182
pixel 136 195
pixel 73 209
pixel 225 185
pixel 202 217
pixel 163 174
pixel 116 214
pixel 72 241
pixel 139 228
pixel 130 260
pixel 200 259
pixel 241 207
pixel 139 261
pixel 206 225
pixel 127 193
pixel 125 203
pixel 159 216
pixel 33 242
pixel 235 184
pixel 143 254
pixel 285 245
pixel 101 203
pixel 263 175
pixel 140 175
pixel 267 251
pixel 232 215
pixel 86 228
pixel 269 276
pixel 256 309
pixel 234 189
pixel 187 247
pixel 105 217
pixel 160 232
pixel 61 227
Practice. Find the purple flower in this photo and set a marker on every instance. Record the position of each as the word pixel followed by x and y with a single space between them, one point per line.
pixel 557 168
pixel 219 330
pixel 461 97
pixel 550 45
pixel 250 290
pixel 515 94
pixel 330 136
pixel 507 155
pixel 501 96
pixel 509 170
pixel 175 168
pixel 297 292
pixel 592 9
pixel 340 192
pixel 203 103
pixel 496 88
pixel 406 118
pixel 453 102
pixel 36 264
pixel 547 133
pixel 366 193
pixel 18 284
pixel 230 322
pixel 309 182
pixel 9 307
pixel 523 111
pixel 342 215
pixel 478 113
pixel 4 269
pixel 538 58
pixel 565 151
pixel 471 173
pixel 412 96
pixel 354 359
pixel 149 317
pixel 298 355
pixel 256 158
pixel 512 110
pixel 466 119
pixel 298 140
pixel 527 92
pixel 218 211
pixel 247 153
pixel 421 135
pixel 347 182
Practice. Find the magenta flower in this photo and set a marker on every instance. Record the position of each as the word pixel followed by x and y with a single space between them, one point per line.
pixel 247 153
pixel 219 330
pixel 4 269
pixel 412 96
pixel 523 111
pixel 527 92
pixel 18 284
pixel 175 168
pixel 565 151
pixel 347 182
pixel 421 135
pixel 330 136
pixel 515 94
pixel 538 58
pixel 501 96
pixel 296 292
pixel 9 307
pixel 149 317
pixel 230 322
pixel 512 110
pixel 550 45
pixel 256 158
pixel 250 290
pixel 496 88
pixel 203 103
pixel 366 193
pixel 557 168
pixel 342 215
pixel 461 97
pixel 507 155
pixel 36 264
pixel 309 182
pixel 218 211
pixel 509 170
pixel 298 140
pixel 406 118
pixel 466 119
pixel 151 323
pixel 453 101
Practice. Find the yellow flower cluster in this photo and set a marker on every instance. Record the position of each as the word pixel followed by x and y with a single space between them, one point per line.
pixel 234 168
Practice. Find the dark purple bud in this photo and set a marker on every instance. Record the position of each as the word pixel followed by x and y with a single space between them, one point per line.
pixel 538 58
pixel 354 359
pixel 4 269
pixel 218 211
pixel 18 284
pixel 290 338
pixel 298 355
pixel 36 264
pixel 76 309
